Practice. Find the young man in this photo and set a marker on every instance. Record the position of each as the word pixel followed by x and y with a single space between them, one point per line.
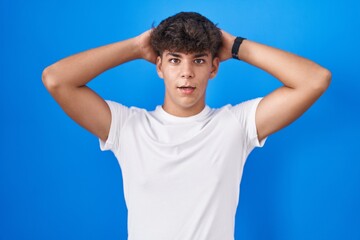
pixel 182 163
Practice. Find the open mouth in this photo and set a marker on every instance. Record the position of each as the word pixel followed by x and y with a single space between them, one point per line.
pixel 187 89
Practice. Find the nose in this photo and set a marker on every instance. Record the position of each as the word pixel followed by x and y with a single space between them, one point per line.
pixel 187 71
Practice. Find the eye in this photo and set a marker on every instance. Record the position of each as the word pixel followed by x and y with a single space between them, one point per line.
pixel 199 61
pixel 174 60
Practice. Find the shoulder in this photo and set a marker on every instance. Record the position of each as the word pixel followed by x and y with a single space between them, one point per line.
pixel 121 114
pixel 242 109
pixel 118 107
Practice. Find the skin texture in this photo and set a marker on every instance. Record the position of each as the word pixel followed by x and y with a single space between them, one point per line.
pixel 303 81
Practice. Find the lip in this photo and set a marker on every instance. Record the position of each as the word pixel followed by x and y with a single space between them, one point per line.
pixel 186 90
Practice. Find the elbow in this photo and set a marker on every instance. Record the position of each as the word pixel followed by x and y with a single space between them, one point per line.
pixel 327 78
pixel 49 78
pixel 323 80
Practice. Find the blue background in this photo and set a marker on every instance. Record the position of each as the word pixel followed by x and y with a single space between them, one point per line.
pixel 55 183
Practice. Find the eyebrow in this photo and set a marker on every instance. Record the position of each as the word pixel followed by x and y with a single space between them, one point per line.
pixel 201 55
pixel 197 55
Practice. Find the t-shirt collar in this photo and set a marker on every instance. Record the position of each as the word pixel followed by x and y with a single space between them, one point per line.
pixel 172 118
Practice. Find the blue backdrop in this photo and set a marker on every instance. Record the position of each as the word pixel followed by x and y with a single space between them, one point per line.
pixel 55 183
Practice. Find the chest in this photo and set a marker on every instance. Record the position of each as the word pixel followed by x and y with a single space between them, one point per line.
pixel 181 155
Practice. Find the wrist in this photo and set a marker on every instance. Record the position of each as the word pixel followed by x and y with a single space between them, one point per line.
pixel 137 47
pixel 235 50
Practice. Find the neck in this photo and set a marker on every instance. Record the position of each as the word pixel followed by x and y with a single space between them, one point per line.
pixel 183 111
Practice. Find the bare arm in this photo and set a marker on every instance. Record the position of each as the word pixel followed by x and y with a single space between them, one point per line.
pixel 304 82
pixel 66 80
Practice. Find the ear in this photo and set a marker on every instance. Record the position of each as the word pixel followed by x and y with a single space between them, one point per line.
pixel 215 67
pixel 158 67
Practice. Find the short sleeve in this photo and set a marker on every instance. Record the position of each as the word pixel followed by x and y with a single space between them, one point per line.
pixel 245 114
pixel 119 115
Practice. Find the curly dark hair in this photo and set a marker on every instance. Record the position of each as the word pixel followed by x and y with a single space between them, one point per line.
pixel 187 32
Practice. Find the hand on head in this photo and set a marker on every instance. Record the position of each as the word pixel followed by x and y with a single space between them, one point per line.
pixel 227 43
pixel 146 51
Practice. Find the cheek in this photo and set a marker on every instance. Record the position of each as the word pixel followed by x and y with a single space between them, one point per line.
pixel 169 83
pixel 169 77
pixel 205 78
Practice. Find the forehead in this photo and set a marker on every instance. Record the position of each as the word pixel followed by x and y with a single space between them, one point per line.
pixel 168 53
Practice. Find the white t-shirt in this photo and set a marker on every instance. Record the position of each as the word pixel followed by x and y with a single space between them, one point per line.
pixel 182 175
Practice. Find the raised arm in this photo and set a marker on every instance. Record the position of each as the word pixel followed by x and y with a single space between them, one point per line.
pixel 66 80
pixel 304 82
